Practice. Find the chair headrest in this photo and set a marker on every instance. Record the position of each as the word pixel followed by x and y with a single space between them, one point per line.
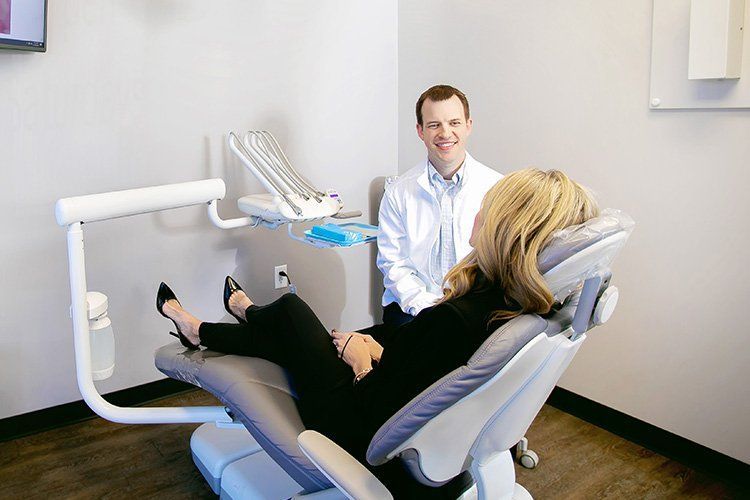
pixel 579 252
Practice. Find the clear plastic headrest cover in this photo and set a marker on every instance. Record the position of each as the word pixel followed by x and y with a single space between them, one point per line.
pixel 579 252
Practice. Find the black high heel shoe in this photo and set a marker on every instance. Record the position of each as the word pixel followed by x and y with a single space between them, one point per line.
pixel 164 294
pixel 231 286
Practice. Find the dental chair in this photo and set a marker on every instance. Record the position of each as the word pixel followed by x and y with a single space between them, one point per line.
pixel 466 421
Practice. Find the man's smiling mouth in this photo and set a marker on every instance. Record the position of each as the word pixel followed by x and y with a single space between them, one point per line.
pixel 445 145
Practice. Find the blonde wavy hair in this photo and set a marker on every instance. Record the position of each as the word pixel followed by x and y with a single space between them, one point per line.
pixel 519 215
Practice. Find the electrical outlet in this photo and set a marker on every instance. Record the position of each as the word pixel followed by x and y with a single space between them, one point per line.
pixel 280 281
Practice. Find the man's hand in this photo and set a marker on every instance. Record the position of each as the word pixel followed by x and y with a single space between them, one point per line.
pixel 340 338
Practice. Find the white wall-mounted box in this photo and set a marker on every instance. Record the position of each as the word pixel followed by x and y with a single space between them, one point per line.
pixel 670 87
pixel 715 39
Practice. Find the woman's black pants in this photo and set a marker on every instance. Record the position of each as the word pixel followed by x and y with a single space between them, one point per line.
pixel 287 332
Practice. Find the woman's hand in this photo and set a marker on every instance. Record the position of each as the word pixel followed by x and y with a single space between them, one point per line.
pixel 355 352
pixel 375 349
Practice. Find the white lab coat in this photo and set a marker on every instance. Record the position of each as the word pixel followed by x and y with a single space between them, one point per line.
pixel 409 220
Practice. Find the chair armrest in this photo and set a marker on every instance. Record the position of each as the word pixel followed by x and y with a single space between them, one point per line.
pixel 342 469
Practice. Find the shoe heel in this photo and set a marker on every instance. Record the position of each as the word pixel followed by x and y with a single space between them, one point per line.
pixel 184 341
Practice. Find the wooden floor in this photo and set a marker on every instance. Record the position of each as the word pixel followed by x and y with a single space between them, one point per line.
pixel 99 459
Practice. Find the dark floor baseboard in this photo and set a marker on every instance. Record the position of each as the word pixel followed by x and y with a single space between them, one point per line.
pixel 665 443
pixel 69 413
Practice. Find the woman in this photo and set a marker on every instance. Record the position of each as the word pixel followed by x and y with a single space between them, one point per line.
pixel 349 384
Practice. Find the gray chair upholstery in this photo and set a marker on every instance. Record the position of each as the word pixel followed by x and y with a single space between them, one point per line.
pixel 258 393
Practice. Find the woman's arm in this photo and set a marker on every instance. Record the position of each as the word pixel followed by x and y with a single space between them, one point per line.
pixel 382 333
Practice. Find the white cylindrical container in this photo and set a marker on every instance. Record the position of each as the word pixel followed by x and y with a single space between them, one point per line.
pixel 101 336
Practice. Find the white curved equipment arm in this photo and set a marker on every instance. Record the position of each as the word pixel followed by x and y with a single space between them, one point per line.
pixel 103 206
pixel 216 220
pixel 343 470
pixel 73 212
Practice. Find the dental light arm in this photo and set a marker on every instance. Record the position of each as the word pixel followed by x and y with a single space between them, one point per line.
pixel 73 213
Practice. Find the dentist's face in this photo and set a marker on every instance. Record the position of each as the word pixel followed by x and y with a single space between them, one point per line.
pixel 444 131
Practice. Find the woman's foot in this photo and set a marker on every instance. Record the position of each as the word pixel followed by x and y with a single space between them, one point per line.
pixel 186 324
pixel 236 301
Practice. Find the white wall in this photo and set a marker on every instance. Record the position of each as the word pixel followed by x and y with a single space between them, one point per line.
pixel 135 93
pixel 565 85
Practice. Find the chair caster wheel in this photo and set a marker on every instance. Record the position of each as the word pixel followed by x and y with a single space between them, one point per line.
pixel 528 459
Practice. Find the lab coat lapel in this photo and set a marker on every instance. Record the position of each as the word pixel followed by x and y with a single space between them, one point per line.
pixel 424 180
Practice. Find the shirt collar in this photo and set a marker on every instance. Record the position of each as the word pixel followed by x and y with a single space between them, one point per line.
pixel 437 179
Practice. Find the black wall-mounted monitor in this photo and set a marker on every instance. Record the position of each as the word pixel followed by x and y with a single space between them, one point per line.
pixel 23 25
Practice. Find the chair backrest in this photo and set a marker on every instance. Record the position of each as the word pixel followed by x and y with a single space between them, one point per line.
pixel 487 405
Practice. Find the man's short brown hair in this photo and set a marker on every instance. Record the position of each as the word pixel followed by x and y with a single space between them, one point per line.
pixel 441 93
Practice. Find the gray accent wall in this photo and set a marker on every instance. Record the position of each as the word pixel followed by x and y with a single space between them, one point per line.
pixel 566 85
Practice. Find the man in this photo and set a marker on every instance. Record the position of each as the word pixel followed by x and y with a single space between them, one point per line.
pixel 427 214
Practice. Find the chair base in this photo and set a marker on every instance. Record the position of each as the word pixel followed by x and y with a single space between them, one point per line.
pixel 496 479
pixel 236 467
pixel 256 476
pixel 519 493
pixel 214 448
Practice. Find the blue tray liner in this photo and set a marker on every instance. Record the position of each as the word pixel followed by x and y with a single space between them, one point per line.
pixel 347 234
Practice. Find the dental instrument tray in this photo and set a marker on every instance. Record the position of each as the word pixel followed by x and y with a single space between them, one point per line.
pixel 290 197
pixel 342 235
